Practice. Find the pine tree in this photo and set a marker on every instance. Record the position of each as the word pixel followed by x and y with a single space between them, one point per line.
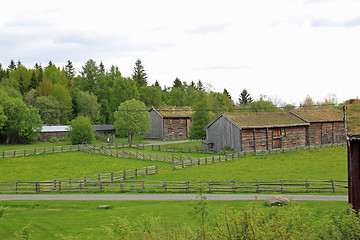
pixel 33 81
pixel 244 98
pixel 12 65
pixel 101 68
pixel 177 83
pixel 199 86
pixel 21 83
pixel 139 74
pixel 19 64
pixel 226 93
pixel 70 70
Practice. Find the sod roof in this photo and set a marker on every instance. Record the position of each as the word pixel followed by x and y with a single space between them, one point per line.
pixel 245 120
pixel 175 111
pixel 320 114
pixel 353 116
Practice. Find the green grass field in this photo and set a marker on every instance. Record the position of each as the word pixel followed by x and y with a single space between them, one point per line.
pixel 319 164
pixel 82 219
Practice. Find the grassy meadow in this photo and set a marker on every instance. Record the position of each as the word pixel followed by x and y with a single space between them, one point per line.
pixel 81 219
pixel 318 164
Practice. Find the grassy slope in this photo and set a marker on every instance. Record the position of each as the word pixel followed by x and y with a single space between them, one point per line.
pixel 82 218
pixel 320 164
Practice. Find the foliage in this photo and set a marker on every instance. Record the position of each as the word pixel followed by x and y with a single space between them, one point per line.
pixel 19 122
pixel 139 75
pixel 53 140
pixel 2 210
pixel 49 109
pixel 263 105
pixel 24 233
pixel 122 90
pixel 81 130
pixel 244 98
pixel 151 96
pixel 87 105
pixel 132 117
pixel 201 117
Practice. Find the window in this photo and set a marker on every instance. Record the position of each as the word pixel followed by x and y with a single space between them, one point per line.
pixel 170 131
pixel 181 131
pixel 180 121
pixel 169 121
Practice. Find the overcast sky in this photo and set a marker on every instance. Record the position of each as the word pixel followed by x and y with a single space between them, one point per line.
pixel 285 49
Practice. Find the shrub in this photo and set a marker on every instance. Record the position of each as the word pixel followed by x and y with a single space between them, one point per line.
pixel 53 140
pixel 81 130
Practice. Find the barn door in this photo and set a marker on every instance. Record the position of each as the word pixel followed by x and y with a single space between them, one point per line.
pixel 276 138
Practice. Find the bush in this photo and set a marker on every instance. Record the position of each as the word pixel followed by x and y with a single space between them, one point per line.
pixel 53 140
pixel 81 130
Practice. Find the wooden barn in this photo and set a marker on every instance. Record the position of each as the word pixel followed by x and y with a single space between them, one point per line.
pixel 255 131
pixel 104 130
pixel 352 121
pixel 49 131
pixel 326 125
pixel 170 122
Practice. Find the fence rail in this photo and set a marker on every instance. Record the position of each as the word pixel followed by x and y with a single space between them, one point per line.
pixel 75 184
pixel 120 185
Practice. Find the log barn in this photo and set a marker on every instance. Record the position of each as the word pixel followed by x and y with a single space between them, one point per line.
pixel 49 131
pixel 170 122
pixel 326 125
pixel 267 131
pixel 255 131
pixel 352 121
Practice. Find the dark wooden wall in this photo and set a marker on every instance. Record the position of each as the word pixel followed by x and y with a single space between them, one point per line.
pixel 354 173
pixel 45 136
pixel 326 132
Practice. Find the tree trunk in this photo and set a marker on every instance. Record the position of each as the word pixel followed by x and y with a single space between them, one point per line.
pixel 130 139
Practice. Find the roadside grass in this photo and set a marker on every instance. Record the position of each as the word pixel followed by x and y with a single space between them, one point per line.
pixel 7 147
pixel 82 219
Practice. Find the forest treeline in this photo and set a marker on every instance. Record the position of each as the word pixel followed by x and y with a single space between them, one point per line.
pixel 30 97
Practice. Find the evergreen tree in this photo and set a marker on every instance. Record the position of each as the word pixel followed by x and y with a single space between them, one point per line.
pixel 49 65
pixel 40 74
pixel 12 65
pixel 244 98
pixel 139 74
pixel 19 64
pixel 70 70
pixel 33 81
pixel 226 93
pixel 101 68
pixel 199 86
pixel 89 76
pixel 21 83
pixel 177 83
pixel 157 84
pixel 2 72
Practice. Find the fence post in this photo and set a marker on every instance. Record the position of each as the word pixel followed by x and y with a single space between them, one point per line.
pixel 210 189
pixel 34 150
pixel 24 152
pixel 282 185
pixel 333 186
pixel 112 176
pixel 257 185
pixel 100 186
pixel 3 154
pixel 16 187
pixel 59 186
pixel 136 172
pixel 306 185
pixel 124 174
pixel 187 186
pixel 198 161
pixel 37 187
pixel 213 159
pixel 44 149
pixel 164 185
pixel 206 161
pixel 14 153
pixel 233 186
pixel 143 187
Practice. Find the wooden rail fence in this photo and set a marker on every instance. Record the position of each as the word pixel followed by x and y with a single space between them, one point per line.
pixel 75 184
pixel 119 185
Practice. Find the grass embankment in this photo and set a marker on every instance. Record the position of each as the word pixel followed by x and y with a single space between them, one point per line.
pixel 319 164
pixel 82 218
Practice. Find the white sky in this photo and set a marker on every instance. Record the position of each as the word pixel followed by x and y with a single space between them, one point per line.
pixel 284 49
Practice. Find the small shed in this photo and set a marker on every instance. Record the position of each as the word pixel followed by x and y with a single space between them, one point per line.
pixel 104 130
pixel 255 131
pixel 49 131
pixel 352 121
pixel 170 122
pixel 326 125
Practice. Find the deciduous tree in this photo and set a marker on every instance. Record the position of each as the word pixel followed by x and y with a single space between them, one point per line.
pixel 132 117
pixel 81 130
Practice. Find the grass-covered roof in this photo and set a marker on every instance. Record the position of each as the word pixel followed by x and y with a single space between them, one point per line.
pixel 175 111
pixel 353 116
pixel 245 120
pixel 320 114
